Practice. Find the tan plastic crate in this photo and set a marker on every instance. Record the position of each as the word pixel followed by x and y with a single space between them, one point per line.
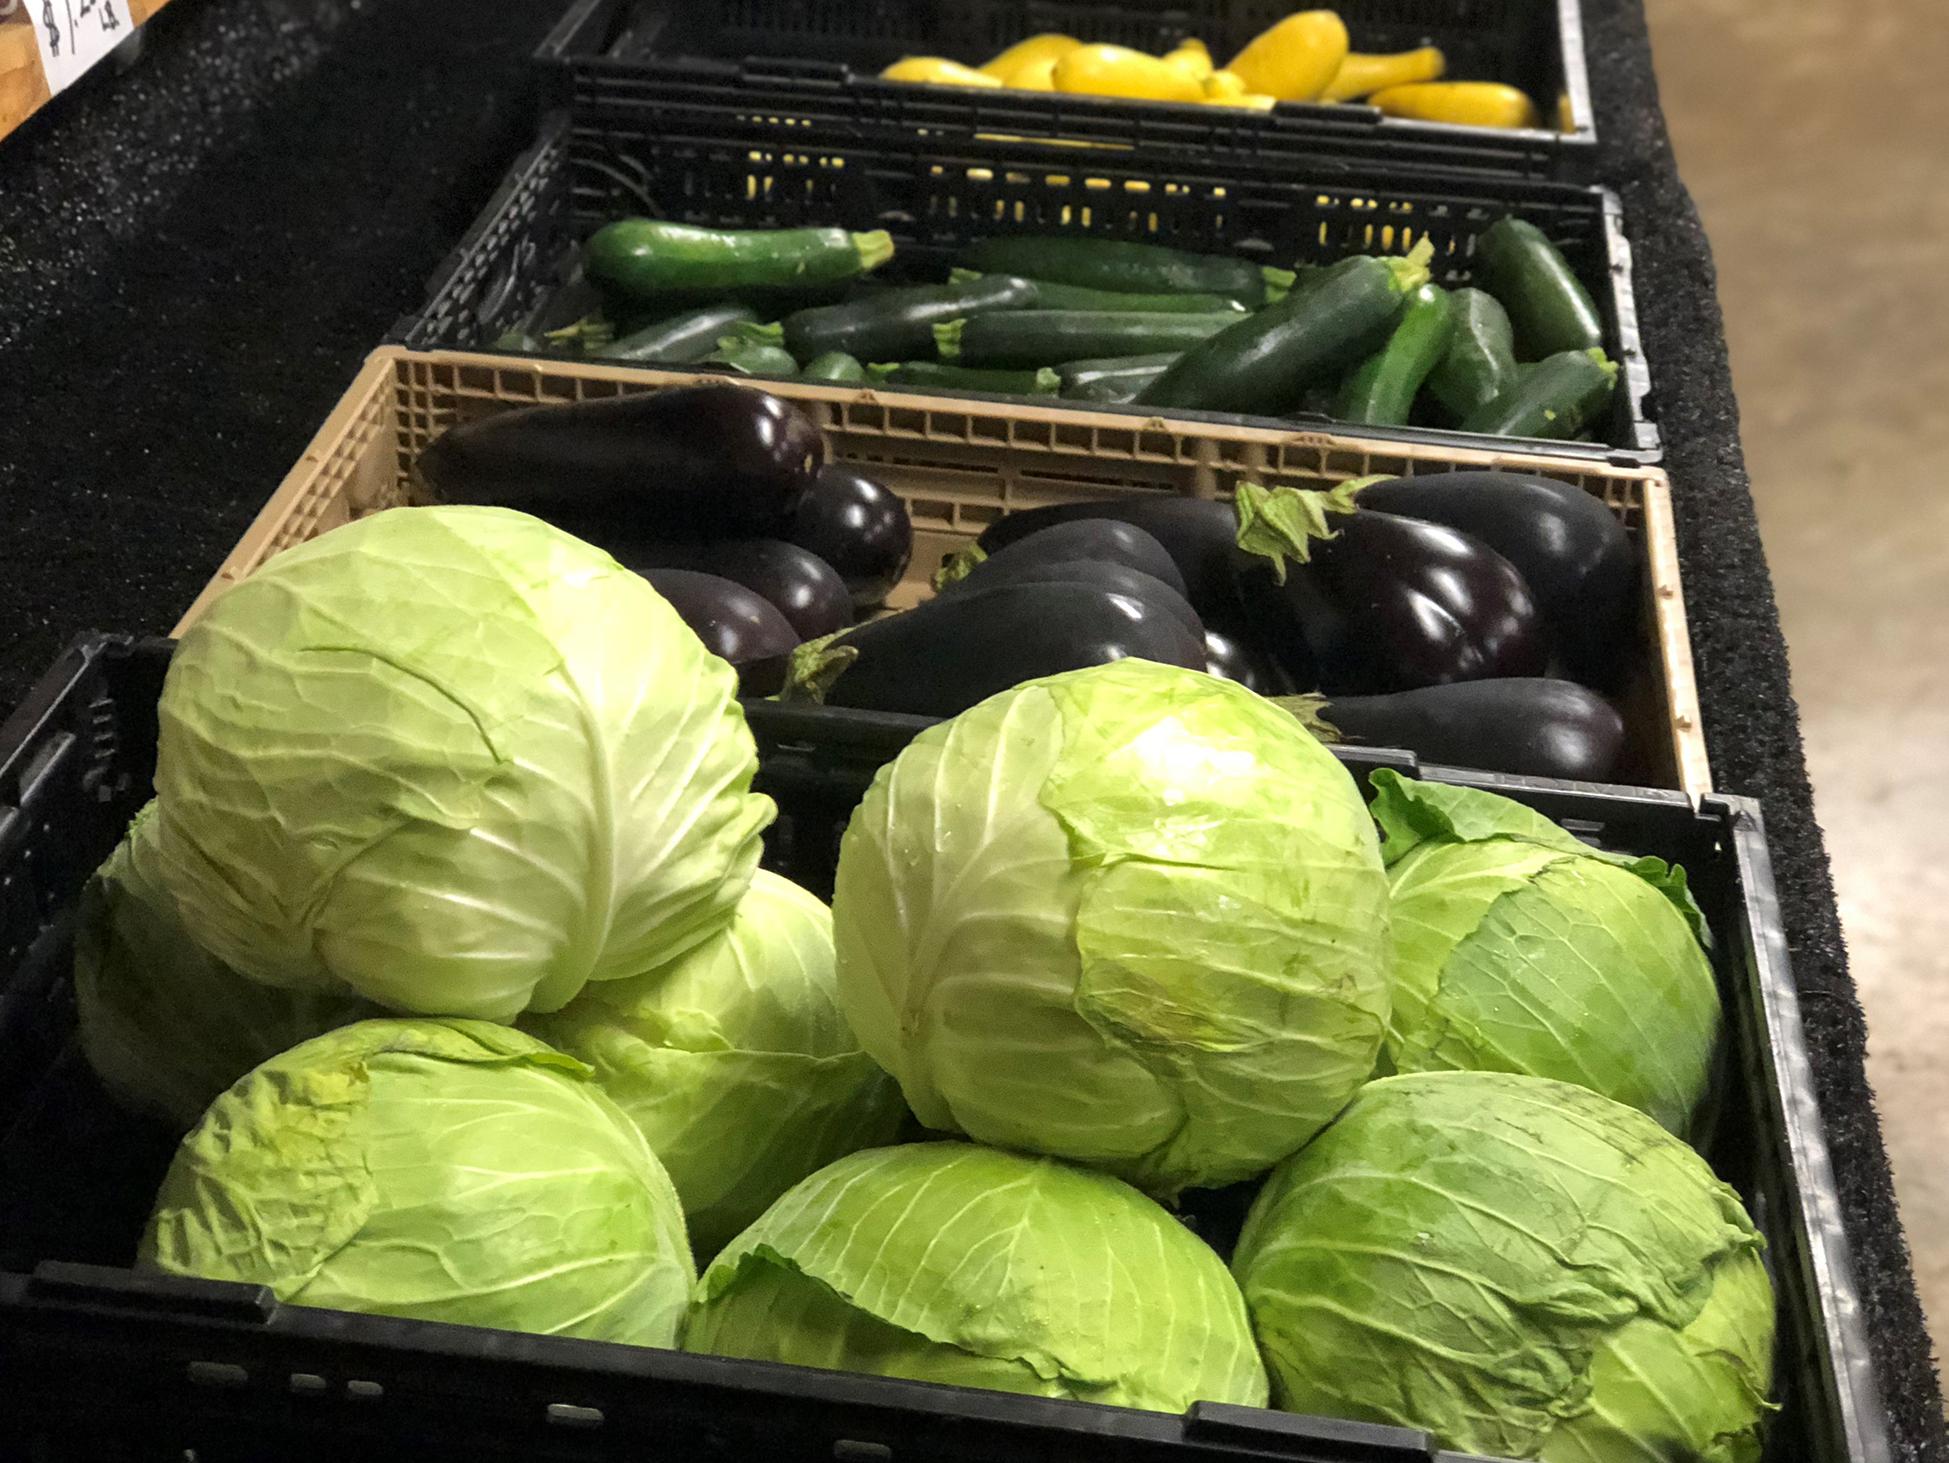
pixel 960 464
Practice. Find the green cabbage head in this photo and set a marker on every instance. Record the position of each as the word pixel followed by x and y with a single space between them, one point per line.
pixel 455 761
pixel 1519 1266
pixel 735 1060
pixel 945 1262
pixel 440 1170
pixel 166 1026
pixel 1133 916
pixel 1518 948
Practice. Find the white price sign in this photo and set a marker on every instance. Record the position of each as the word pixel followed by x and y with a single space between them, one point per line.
pixel 74 34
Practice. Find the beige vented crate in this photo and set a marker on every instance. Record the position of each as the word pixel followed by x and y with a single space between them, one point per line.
pixel 960 464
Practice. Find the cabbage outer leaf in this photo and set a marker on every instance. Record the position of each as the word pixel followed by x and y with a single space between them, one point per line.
pixel 1482 1254
pixel 443 1170
pixel 946 1262
pixel 455 761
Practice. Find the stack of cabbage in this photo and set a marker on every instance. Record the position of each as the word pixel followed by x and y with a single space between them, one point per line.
pixel 1114 935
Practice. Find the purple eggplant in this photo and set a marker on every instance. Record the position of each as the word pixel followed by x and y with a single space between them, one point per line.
pixel 1234 658
pixel 1103 574
pixel 1101 539
pixel 736 623
pixel 1569 547
pixel 691 462
pixel 1529 726
pixel 1197 533
pixel 1391 603
pixel 799 584
pixel 857 526
pixel 959 649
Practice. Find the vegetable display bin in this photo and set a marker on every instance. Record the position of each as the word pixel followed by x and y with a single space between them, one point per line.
pixel 99 1362
pixel 934 195
pixel 962 462
pixel 799 63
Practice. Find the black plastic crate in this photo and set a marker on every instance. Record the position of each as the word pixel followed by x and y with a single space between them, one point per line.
pixel 97 1363
pixel 936 195
pixel 817 62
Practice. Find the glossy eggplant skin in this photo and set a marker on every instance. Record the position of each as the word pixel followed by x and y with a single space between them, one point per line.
pixel 736 623
pixel 1102 539
pixel 959 649
pixel 1234 658
pixel 797 582
pixel 1392 603
pixel 1567 545
pixel 1528 725
pixel 690 462
pixel 1198 534
pixel 856 525
pixel 1103 574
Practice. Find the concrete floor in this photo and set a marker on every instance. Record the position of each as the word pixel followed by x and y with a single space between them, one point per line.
pixel 1812 134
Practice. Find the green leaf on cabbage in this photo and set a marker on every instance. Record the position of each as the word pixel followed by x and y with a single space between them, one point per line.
pixel 1133 916
pixel 165 1025
pixel 945 1262
pixel 1521 1267
pixel 1519 948
pixel 455 761
pixel 440 1170
pixel 735 1061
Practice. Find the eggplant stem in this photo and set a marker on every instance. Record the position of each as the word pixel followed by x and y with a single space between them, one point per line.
pixel 959 566
pixel 1310 710
pixel 1282 523
pixel 814 667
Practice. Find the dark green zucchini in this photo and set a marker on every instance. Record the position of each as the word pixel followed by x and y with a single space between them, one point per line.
pixel 1266 361
pixel 938 374
pixel 898 324
pixel 1382 389
pixel 1112 379
pixel 751 357
pixel 1480 363
pixel 1558 398
pixel 835 366
pixel 1115 264
pixel 1548 305
pixel 1052 296
pixel 680 339
pixel 644 257
pixel 1031 338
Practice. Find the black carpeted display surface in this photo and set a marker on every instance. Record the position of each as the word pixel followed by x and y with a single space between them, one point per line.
pixel 196 254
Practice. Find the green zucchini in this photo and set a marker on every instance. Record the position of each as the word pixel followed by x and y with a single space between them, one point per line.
pixel 833 366
pixel 1138 269
pixel 1557 398
pixel 679 339
pixel 898 324
pixel 1382 388
pixel 1266 361
pixel 643 257
pixel 1114 379
pixel 1480 363
pixel 1052 296
pixel 1020 338
pixel 936 374
pixel 752 357
pixel 1551 310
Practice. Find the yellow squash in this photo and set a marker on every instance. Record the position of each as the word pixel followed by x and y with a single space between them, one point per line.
pixel 1222 84
pixel 936 71
pixel 1116 71
pixel 1361 75
pixel 1036 76
pixel 1248 99
pixel 1296 59
pixel 1027 55
pixel 1190 57
pixel 1466 103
